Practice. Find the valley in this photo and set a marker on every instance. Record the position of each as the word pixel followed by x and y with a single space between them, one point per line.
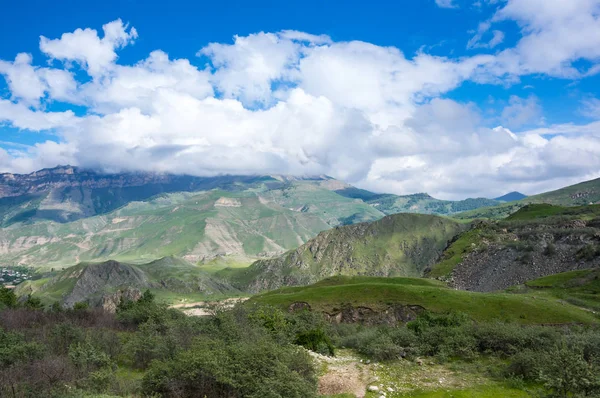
pixel 403 295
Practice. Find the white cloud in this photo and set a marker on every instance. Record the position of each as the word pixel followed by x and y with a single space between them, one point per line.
pixel 85 47
pixel 482 29
pixel 522 111
pixel 446 3
pixel 591 108
pixel 556 33
pixel 290 102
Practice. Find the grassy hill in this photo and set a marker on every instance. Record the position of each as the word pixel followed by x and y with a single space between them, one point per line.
pixel 584 193
pixel 581 287
pixel 396 245
pixel 169 278
pixel 416 203
pixel 379 294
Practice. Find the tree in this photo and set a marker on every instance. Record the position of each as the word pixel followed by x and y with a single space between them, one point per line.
pixel 8 297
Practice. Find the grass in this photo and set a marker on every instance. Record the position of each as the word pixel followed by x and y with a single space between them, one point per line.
pixel 543 210
pixel 455 253
pixel 379 293
pixel 580 288
pixel 448 380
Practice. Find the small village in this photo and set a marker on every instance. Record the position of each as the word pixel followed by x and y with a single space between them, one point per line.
pixel 12 276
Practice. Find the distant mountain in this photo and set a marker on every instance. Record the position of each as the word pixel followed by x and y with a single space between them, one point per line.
pixel 511 196
pixel 62 216
pixel 415 203
pixel 584 193
pixel 396 245
pixel 236 218
pixel 66 193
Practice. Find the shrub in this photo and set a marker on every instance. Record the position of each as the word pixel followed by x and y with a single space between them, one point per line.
pixel 527 365
pixel 8 298
pixel 244 369
pixel 588 252
pixel 63 335
pixel 550 250
pixel 315 340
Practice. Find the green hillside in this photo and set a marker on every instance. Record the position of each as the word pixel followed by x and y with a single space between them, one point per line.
pixel 396 245
pixel 379 294
pixel 584 193
pixel 415 203
pixel 581 287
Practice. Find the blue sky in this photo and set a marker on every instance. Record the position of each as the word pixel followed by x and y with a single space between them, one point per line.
pixel 456 98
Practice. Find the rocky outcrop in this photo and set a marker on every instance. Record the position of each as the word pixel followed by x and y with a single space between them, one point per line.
pixel 110 302
pixel 512 256
pixel 94 280
pixel 392 315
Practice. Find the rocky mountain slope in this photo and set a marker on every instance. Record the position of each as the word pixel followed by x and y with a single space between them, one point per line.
pixel 396 245
pixel 95 283
pixel 536 241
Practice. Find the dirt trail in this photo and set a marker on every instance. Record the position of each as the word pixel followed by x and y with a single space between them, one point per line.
pixel 345 373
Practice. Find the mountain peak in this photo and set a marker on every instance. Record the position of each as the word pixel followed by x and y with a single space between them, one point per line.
pixel 511 196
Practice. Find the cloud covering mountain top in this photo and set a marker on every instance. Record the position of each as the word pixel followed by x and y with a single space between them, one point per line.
pixel 291 102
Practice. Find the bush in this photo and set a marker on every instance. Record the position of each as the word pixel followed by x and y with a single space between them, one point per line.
pixel 316 340
pixel 7 298
pixel 588 252
pixel 527 365
pixel 253 369
pixel 64 335
pixel 566 373
pixel 550 250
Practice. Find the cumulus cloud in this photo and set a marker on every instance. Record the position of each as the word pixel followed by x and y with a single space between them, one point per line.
pixel 86 48
pixel 292 103
pixel 522 111
pixel 555 34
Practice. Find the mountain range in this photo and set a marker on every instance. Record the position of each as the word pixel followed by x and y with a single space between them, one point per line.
pixel 89 233
pixel 62 216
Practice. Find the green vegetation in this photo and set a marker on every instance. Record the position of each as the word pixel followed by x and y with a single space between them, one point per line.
pixel 537 211
pixel 253 350
pixel 416 203
pixel 455 253
pixel 396 245
pixel 581 288
pixel 381 293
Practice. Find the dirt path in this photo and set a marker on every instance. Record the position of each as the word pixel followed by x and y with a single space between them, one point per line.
pixel 344 373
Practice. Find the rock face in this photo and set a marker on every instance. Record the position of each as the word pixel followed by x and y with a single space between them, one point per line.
pixel 110 302
pixel 512 256
pixel 95 279
pixel 396 245
pixel 392 315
